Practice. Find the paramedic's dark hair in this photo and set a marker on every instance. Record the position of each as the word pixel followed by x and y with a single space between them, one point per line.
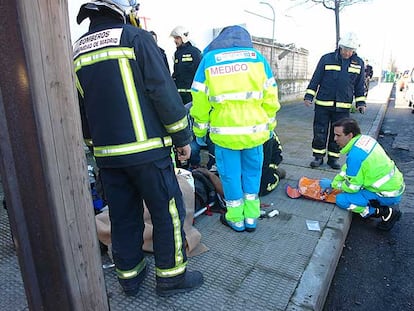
pixel 349 125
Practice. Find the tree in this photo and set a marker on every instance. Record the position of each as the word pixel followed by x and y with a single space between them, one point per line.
pixel 336 6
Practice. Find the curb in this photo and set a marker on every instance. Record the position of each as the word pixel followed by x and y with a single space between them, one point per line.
pixel 316 279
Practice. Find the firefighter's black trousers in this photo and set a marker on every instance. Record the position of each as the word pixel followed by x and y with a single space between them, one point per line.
pixel 322 128
pixel 125 190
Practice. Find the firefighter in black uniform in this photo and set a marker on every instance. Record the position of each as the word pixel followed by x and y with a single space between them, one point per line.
pixel 133 114
pixel 186 60
pixel 337 80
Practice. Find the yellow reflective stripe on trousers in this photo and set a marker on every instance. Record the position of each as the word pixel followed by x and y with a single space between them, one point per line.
pixel 129 274
pixel 319 151
pixel 124 149
pixel 180 265
pixel 333 154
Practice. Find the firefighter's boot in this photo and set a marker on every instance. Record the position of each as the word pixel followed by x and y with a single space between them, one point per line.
pixel 131 286
pixel 333 163
pixel 318 161
pixel 188 282
pixel 389 216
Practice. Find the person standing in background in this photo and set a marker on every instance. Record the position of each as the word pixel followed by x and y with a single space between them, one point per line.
pixel 186 60
pixel 164 56
pixel 338 79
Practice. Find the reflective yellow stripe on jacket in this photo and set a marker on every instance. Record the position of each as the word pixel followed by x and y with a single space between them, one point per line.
pixel 142 143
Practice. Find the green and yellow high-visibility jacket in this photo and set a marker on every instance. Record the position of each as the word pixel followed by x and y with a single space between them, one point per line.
pixel 234 92
pixel 368 167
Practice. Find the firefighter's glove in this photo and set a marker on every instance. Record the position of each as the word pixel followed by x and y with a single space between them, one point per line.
pixel 325 184
pixel 201 141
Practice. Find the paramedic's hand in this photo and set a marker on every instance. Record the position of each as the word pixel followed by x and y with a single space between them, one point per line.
pixel 307 103
pixel 184 152
pixel 201 141
pixel 325 184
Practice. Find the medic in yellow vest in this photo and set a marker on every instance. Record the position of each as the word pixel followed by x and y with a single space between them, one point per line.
pixel 235 99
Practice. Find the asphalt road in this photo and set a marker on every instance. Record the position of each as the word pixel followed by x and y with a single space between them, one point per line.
pixel 375 271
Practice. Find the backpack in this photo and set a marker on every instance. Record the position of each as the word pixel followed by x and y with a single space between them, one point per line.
pixel 206 195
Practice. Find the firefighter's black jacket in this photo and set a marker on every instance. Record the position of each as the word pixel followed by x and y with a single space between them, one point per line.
pixel 336 81
pixel 129 104
pixel 186 60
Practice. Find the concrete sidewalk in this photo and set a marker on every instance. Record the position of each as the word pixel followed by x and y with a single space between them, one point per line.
pixel 281 266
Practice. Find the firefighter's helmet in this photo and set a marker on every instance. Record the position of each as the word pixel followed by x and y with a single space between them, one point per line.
pixel 180 31
pixel 349 40
pixel 121 7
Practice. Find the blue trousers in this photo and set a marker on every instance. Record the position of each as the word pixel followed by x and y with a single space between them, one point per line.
pixel 240 171
pixel 359 202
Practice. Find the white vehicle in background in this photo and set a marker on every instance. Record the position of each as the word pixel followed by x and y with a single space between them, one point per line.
pixel 409 95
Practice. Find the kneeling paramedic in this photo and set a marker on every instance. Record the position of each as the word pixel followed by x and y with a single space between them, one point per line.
pixel 133 114
pixel 370 182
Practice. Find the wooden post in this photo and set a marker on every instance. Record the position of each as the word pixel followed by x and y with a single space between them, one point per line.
pixel 42 160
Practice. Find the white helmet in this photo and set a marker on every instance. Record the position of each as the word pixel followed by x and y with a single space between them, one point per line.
pixel 349 40
pixel 181 32
pixel 121 7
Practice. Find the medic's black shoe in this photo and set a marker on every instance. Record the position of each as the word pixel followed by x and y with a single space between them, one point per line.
pixel 388 221
pixel 191 281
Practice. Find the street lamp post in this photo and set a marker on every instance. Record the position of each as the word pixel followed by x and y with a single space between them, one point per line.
pixel 273 32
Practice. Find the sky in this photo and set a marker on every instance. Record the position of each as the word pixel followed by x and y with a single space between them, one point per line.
pixel 382 26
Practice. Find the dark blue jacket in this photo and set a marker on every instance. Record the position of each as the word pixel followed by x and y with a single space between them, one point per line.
pixel 336 81
pixel 130 106
pixel 186 60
